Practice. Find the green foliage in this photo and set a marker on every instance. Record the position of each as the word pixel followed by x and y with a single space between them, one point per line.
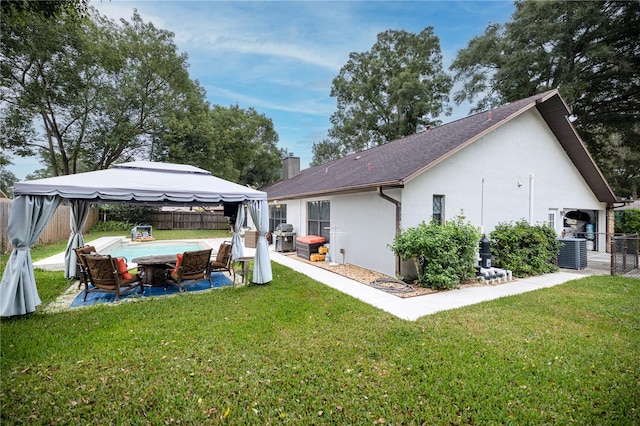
pixel 7 179
pixel 386 93
pixel 130 214
pixel 628 221
pixel 444 255
pixel 103 91
pixel 588 50
pixel 112 225
pixel 46 9
pixel 235 144
pixel 524 249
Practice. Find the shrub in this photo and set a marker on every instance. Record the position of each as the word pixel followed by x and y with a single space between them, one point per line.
pixel 111 225
pixel 628 221
pixel 135 215
pixel 524 249
pixel 444 255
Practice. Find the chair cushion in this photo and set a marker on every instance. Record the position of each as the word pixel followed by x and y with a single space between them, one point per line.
pixel 127 281
pixel 223 253
pixel 122 269
pixel 178 264
pixel 311 239
pixel 197 276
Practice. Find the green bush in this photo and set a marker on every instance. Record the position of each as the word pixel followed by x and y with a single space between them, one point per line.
pixel 628 221
pixel 444 255
pixel 112 225
pixel 135 215
pixel 524 249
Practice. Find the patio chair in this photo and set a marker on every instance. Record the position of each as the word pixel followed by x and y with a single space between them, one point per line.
pixel 81 266
pixel 191 267
pixel 106 275
pixel 222 262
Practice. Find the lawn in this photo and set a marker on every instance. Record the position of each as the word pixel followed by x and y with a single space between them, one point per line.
pixel 296 351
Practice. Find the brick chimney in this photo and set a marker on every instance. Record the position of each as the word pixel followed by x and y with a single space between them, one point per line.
pixel 290 166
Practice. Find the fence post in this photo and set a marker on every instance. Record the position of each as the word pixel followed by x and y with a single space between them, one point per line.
pixel 624 255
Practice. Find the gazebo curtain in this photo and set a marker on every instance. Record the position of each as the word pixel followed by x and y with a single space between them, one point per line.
pixel 29 216
pixel 262 273
pixel 237 250
pixel 77 219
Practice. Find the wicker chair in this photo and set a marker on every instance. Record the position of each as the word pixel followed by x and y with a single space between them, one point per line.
pixel 81 266
pixel 222 262
pixel 104 276
pixel 191 267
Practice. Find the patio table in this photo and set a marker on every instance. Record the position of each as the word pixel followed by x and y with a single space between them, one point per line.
pixel 153 268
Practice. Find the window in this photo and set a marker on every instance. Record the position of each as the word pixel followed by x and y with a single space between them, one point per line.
pixel 318 213
pixel 438 209
pixel 551 221
pixel 277 215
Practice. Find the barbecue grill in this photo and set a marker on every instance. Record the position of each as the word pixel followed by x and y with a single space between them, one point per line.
pixel 285 237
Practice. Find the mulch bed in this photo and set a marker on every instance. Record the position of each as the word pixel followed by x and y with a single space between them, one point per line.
pixel 368 277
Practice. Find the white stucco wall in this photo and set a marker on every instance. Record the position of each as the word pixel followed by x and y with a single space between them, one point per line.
pixel 296 216
pixel 365 224
pixel 505 158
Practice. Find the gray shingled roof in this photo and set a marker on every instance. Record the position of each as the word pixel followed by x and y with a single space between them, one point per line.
pixel 398 161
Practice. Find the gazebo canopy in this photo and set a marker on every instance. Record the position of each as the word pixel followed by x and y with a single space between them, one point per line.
pixel 143 182
pixel 138 182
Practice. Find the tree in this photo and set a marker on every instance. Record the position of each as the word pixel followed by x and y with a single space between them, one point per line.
pixel 386 93
pixel 46 9
pixel 234 144
pixel 244 146
pixel 589 51
pixel 101 91
pixel 7 179
pixel 149 92
pixel 326 150
pixel 32 46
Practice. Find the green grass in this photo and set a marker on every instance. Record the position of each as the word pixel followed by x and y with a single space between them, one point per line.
pixel 296 351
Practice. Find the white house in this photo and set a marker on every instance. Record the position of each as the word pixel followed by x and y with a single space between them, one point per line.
pixel 521 160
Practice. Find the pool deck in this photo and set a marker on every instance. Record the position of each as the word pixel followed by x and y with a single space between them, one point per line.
pixel 408 309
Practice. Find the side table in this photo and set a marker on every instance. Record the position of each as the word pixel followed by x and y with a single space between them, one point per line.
pixel 244 271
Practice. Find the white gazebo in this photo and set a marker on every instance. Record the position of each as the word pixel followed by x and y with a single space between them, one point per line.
pixel 139 182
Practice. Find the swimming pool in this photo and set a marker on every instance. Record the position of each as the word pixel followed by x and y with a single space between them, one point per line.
pixel 133 250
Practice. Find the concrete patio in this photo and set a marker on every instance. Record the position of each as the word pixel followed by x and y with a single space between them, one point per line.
pixel 405 308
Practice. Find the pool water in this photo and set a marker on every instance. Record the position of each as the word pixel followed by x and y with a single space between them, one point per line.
pixel 133 250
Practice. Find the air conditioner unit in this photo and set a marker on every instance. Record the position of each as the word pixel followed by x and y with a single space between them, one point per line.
pixel 573 253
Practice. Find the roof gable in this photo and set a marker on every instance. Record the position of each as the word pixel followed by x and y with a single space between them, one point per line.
pixel 399 161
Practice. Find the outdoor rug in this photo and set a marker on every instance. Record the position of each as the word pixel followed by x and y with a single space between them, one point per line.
pixel 218 279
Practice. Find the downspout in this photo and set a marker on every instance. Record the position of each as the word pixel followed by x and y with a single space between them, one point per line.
pixel 531 199
pixel 398 214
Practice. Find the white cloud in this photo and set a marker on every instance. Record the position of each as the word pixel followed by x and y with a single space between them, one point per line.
pixel 319 107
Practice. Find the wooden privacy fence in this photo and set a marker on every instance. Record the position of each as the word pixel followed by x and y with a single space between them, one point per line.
pixel 57 229
pixel 189 220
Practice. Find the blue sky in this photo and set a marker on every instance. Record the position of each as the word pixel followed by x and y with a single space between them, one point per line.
pixel 280 57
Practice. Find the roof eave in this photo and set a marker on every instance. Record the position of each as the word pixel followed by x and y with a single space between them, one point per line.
pixel 573 145
pixel 339 191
